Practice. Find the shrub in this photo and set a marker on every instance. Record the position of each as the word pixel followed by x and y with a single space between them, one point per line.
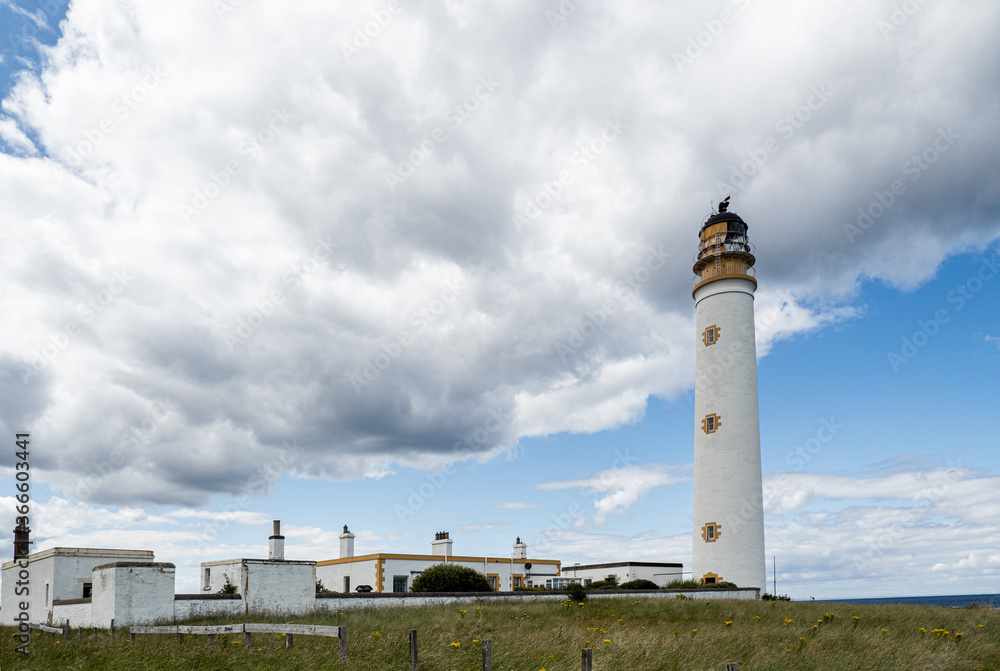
pixel 450 578
pixel 722 584
pixel 529 589
pixel 768 597
pixel 639 584
pixel 320 587
pixel 229 587
pixel 682 584
pixel 610 583
pixel 575 591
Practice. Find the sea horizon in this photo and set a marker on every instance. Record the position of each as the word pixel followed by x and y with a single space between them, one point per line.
pixel 947 600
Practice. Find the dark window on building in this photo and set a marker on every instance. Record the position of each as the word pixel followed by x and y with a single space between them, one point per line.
pixel 399 583
pixel 347 583
pixel 87 589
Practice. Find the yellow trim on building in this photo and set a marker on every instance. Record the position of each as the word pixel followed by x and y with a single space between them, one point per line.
pixel 380 556
pixel 378 574
pixel 715 535
pixel 716 423
pixel 710 579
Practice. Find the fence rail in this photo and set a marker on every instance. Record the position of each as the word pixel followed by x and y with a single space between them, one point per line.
pixel 248 629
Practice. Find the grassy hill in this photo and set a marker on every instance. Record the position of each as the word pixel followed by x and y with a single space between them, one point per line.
pixel 626 634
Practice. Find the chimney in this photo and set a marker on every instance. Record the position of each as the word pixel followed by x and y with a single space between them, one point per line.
pixel 346 543
pixel 441 547
pixel 520 549
pixel 22 546
pixel 276 544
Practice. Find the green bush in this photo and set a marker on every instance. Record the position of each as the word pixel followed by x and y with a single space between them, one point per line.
pixel 575 591
pixel 722 584
pixel 610 583
pixel 768 597
pixel 450 578
pixel 682 584
pixel 639 584
pixel 229 587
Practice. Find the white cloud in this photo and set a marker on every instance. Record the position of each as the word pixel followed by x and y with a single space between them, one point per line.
pixel 409 318
pixel 517 505
pixel 622 487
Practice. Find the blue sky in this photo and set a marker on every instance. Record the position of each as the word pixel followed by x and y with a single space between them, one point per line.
pixel 217 220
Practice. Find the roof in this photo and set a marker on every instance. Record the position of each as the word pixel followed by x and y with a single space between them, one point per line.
pixel 99 553
pixel 623 563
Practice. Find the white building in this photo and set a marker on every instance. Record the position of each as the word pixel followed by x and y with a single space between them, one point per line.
pixel 624 571
pixel 728 538
pixel 387 572
pixel 274 584
pixel 56 574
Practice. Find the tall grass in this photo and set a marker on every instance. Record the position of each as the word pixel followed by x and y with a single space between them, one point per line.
pixel 626 634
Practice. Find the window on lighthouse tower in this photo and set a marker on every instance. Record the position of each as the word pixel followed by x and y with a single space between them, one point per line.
pixel 710 335
pixel 711 423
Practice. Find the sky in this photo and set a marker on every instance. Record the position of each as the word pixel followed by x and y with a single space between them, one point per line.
pixel 426 266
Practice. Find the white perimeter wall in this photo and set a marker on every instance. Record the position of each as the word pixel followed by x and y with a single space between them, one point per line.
pixel 333 604
pixel 188 608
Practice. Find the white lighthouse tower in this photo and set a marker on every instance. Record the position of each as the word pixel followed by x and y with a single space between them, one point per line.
pixel 728 542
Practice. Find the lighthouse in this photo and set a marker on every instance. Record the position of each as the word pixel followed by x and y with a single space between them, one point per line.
pixel 728 539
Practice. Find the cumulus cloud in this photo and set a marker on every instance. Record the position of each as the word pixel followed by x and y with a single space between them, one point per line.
pixel 616 490
pixel 469 228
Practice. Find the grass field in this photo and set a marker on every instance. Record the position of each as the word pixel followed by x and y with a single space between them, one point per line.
pixel 626 634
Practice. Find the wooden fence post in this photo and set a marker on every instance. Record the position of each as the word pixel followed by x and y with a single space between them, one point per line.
pixel 343 642
pixel 732 666
pixel 487 655
pixel 112 629
pixel 131 635
pixel 587 662
pixel 211 640
pixel 288 640
pixel 95 633
pixel 180 638
pixel 66 632
pixel 247 641
pixel 79 634
pixel 413 650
